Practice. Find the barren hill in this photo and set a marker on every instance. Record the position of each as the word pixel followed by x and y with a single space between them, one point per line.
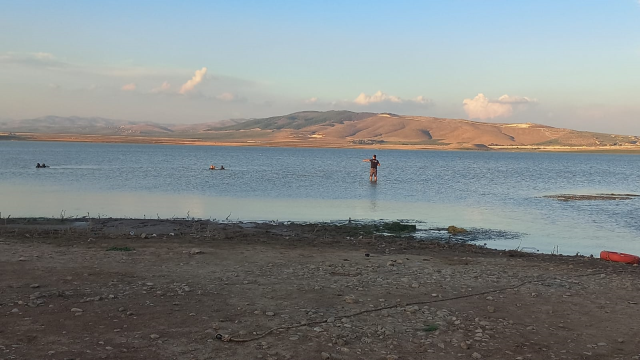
pixel 330 128
pixel 416 130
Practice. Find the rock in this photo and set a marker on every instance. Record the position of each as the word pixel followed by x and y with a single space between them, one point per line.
pixel 144 235
pixel 391 263
pixel 475 355
pixel 195 251
pixel 325 356
pixel 34 303
pixel 415 285
pixel 121 309
pixel 350 299
pixel 602 344
pixel 34 286
pixel 331 319
pixel 76 310
pixel 294 337
pixel 96 298
pixel 270 313
pixel 464 345
pixel 15 311
pixel 154 336
pixel 36 295
pixel 491 309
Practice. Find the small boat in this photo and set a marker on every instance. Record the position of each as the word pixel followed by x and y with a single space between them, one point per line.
pixel 619 257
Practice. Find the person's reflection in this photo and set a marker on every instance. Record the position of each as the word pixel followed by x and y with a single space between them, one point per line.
pixel 373 196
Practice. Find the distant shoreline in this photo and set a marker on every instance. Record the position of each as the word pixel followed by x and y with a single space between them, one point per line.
pixel 312 143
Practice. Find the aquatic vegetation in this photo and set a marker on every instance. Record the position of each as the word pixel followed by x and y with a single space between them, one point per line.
pixel 454 230
pixel 398 227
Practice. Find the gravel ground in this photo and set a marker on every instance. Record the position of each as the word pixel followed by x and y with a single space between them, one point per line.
pixel 63 296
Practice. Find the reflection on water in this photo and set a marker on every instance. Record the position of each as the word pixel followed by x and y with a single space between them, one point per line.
pixel 373 196
pixel 492 192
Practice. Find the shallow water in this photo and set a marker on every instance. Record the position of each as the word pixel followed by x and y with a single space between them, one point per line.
pixel 485 190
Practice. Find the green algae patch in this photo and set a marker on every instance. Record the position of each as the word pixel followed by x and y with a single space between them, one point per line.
pixel 398 227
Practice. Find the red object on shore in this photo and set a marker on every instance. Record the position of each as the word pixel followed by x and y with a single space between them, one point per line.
pixel 620 257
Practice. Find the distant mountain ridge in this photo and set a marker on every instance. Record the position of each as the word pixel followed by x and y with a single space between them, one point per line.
pixel 333 128
pixel 102 126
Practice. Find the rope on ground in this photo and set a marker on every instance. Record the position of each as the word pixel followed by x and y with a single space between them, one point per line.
pixel 229 338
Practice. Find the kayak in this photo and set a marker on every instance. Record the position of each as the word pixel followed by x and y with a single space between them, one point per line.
pixel 619 257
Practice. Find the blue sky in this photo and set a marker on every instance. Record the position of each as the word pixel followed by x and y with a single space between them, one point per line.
pixel 561 63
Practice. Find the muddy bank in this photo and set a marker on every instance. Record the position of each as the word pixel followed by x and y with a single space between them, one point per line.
pixel 168 296
pixel 579 197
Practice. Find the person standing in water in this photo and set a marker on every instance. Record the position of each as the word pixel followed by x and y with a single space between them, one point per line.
pixel 373 173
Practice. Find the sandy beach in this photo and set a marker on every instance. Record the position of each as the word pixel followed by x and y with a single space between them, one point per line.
pixel 191 289
pixel 305 142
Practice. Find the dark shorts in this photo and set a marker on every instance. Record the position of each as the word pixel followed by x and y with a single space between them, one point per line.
pixel 373 172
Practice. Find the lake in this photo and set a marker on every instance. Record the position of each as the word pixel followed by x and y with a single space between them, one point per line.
pixel 496 194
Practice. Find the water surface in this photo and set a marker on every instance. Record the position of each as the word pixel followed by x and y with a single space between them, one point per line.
pixel 485 190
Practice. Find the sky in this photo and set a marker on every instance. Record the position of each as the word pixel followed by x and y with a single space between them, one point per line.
pixel 563 63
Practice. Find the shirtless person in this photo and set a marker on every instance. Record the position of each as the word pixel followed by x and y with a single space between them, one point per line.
pixel 373 173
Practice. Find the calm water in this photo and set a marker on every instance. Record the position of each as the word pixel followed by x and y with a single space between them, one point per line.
pixel 492 192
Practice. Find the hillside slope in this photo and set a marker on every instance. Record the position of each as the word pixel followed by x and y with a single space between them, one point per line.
pixel 333 128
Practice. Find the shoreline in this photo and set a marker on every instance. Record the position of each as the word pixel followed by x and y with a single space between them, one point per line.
pixel 314 143
pixel 325 292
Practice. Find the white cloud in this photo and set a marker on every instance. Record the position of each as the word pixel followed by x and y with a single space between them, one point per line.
pixel 164 87
pixel 195 80
pixel 364 99
pixel 482 107
pixel 44 56
pixel 129 87
pixel 313 100
pixel 226 97
pixel 506 99
pixel 54 86
pixel 39 60
pixel 422 100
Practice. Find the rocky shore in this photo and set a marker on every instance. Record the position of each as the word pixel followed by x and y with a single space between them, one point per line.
pixel 186 289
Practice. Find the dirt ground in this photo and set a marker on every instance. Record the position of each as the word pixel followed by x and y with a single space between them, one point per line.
pixel 174 292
